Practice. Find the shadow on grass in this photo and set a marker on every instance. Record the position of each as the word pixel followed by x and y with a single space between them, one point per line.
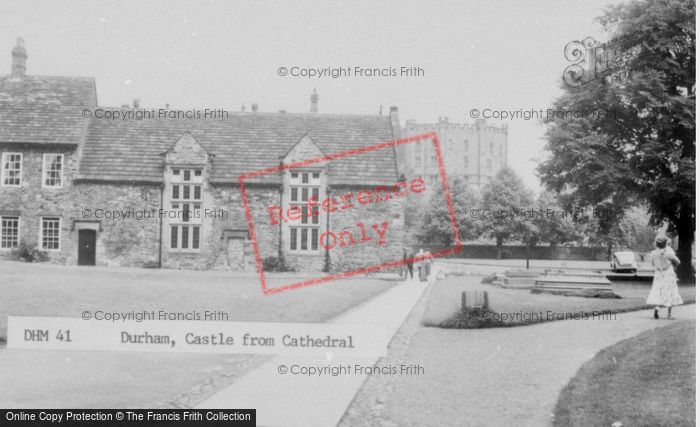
pixel 648 379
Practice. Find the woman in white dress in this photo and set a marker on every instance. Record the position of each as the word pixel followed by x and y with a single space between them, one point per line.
pixel 664 289
pixel 420 265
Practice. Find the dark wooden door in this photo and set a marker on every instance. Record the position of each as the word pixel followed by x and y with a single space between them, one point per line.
pixel 86 247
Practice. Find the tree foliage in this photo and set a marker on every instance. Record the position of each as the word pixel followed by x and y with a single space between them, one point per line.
pixel 641 147
pixel 506 193
pixel 631 232
pixel 434 224
pixel 554 224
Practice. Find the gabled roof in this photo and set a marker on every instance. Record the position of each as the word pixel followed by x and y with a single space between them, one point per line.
pixel 48 91
pixel 30 125
pixel 186 150
pixel 130 150
pixel 44 110
pixel 304 149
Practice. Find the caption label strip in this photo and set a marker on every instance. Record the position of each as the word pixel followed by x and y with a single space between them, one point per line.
pixel 128 417
pixel 294 339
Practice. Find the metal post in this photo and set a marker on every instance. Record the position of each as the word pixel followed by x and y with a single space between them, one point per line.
pixel 527 256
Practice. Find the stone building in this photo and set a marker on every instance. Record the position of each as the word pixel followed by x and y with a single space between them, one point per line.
pixel 474 151
pixel 163 190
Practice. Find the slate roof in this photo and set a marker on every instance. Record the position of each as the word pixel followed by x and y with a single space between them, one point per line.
pixel 48 91
pixel 38 125
pixel 44 110
pixel 47 110
pixel 126 150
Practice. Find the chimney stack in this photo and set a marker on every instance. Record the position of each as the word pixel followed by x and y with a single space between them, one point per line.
pixel 254 107
pixel 314 102
pixel 19 59
pixel 395 124
pixel 137 102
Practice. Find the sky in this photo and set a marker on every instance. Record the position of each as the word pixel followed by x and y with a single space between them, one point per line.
pixel 496 55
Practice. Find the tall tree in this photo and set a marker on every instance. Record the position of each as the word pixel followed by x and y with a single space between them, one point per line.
pixel 553 224
pixel 434 224
pixel 638 143
pixel 506 203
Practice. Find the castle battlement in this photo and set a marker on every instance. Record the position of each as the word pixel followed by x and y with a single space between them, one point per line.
pixel 477 150
pixel 444 123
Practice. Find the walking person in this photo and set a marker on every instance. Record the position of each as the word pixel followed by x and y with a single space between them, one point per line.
pixel 664 289
pixel 420 264
pixel 407 268
pixel 428 263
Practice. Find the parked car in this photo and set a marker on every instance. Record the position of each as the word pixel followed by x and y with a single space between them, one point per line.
pixel 624 262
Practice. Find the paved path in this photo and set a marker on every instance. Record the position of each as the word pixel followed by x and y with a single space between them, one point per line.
pixel 504 376
pixel 296 400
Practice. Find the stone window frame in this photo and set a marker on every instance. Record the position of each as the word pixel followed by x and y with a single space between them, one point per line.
pixel 191 228
pixel 304 228
pixel 3 237
pixel 193 224
pixel 46 171
pixel 3 173
pixel 193 186
pixel 54 239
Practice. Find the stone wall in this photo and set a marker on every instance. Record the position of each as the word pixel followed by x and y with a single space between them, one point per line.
pixel 120 241
pixel 131 232
pixel 31 201
pixel 367 253
pixel 129 221
pixel 581 253
pixel 227 219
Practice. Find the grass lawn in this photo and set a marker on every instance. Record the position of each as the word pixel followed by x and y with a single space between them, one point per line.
pixel 514 307
pixel 505 376
pixel 112 379
pixel 645 380
pixel 67 291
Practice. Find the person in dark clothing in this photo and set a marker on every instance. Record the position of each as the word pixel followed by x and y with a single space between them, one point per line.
pixel 408 266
